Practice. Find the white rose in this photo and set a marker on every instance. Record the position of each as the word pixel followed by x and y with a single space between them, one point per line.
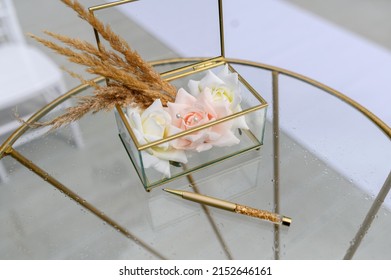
pixel 151 125
pixel 224 86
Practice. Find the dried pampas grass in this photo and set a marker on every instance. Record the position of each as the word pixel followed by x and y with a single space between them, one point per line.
pixel 130 80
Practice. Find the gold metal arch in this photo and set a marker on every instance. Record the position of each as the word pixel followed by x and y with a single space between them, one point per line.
pixel 7 149
pixel 45 110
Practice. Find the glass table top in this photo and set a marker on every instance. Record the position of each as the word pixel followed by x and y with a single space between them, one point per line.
pixel 333 163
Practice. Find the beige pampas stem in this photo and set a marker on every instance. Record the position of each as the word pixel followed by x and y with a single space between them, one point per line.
pixel 131 80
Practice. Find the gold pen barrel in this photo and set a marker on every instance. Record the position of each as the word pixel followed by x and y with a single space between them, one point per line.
pixel 218 203
pixel 263 214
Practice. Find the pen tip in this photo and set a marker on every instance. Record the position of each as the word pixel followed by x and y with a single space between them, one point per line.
pixel 176 192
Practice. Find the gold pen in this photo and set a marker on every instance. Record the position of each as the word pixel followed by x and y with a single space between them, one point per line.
pixel 233 207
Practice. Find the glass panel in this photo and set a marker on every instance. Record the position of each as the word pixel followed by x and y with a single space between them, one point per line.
pixel 131 148
pixel 191 25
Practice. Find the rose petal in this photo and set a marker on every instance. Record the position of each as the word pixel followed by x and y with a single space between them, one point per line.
pixel 226 140
pixel 229 78
pixel 239 122
pixel 150 161
pixel 152 127
pixel 210 80
pixel 163 167
pixel 183 97
pixel 173 155
pixel 181 144
pixel 152 138
pixel 205 98
pixel 203 147
pixel 194 87
pixel 134 120
pixel 155 106
pixel 195 137
pixel 222 109
pixel 213 136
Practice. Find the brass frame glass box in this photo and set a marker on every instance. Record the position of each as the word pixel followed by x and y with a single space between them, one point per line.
pixel 253 111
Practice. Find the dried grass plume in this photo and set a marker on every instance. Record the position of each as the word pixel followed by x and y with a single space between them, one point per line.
pixel 130 80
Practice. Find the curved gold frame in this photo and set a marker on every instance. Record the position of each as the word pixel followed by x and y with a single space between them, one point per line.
pixel 7 149
pixel 376 120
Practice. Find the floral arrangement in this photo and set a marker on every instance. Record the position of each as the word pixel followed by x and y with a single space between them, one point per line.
pixel 155 108
pixel 211 98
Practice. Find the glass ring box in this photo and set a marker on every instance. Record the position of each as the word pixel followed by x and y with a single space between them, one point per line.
pixel 216 115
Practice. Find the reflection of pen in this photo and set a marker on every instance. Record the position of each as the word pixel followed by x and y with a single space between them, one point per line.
pixel 233 207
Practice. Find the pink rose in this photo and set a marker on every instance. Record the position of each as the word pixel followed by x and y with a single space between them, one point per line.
pixel 224 87
pixel 188 111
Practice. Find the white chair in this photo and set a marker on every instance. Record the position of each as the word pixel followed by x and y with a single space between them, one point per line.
pixel 25 73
